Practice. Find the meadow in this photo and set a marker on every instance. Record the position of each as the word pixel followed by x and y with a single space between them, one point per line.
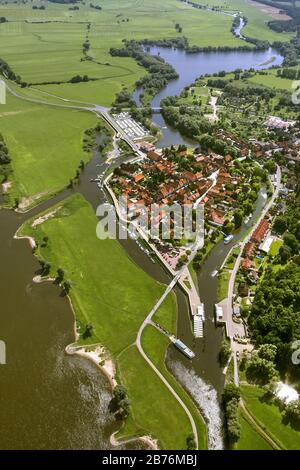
pixel 116 301
pixel 46 45
pixel 256 26
pixel 269 418
pixel 250 439
pixel 45 144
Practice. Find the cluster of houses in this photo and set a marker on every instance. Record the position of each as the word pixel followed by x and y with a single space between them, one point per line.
pixel 167 177
pixel 255 244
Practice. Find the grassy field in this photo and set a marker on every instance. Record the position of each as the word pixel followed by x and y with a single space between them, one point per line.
pixel 256 26
pixel 250 439
pixel 223 280
pixel 270 418
pixel 116 301
pixel 155 345
pixel 100 293
pixel 271 80
pixel 275 247
pixel 52 41
pixel 45 145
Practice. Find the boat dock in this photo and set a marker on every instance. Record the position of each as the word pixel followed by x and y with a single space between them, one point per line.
pixel 198 320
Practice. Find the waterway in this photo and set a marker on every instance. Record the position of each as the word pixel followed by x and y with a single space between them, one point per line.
pixel 190 67
pixel 48 399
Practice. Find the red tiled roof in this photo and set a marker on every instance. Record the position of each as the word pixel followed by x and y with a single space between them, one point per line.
pixel 261 231
pixel 138 177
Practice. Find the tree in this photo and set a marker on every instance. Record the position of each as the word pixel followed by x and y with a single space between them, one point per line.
pixel 238 218
pixel 231 397
pixel 268 352
pixel 284 254
pixel 224 353
pixel 261 371
pixel 67 286
pixel 88 330
pixel 280 224
pixel 45 241
pixel 190 442
pixel 119 404
pixel 231 391
pixel 60 275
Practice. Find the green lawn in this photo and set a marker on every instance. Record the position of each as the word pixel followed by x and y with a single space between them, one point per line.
pixel 275 247
pixel 113 293
pixel 250 439
pixel 270 418
pixel 223 280
pixel 45 144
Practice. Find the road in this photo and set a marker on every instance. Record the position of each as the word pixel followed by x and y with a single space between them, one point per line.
pixel 142 352
pixel 230 326
pixel 99 110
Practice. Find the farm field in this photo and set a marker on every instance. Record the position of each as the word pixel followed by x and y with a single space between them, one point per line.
pixel 45 144
pixel 54 37
pixel 256 26
pixel 270 418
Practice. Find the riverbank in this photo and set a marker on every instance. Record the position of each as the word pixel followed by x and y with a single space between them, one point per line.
pixel 110 306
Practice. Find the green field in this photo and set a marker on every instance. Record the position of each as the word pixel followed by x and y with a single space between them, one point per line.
pixel 45 144
pixel 113 293
pixel 256 26
pixel 155 346
pixel 271 80
pixel 151 403
pixel 48 45
pixel 250 439
pixel 269 418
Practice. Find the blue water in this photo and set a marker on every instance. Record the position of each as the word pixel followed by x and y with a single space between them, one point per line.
pixel 192 66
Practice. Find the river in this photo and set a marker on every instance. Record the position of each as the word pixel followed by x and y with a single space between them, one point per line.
pixel 50 400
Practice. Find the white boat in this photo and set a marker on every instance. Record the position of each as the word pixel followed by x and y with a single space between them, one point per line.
pixel 219 313
pixel 214 273
pixel 184 349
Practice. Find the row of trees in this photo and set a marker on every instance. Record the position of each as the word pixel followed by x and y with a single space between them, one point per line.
pixel 231 398
pixel 5 160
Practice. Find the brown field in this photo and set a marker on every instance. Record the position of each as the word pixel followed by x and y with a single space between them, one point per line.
pixel 273 12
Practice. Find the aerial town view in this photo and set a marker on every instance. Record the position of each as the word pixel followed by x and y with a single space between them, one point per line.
pixel 149 227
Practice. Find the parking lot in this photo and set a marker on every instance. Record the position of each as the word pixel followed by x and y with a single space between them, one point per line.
pixel 132 129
